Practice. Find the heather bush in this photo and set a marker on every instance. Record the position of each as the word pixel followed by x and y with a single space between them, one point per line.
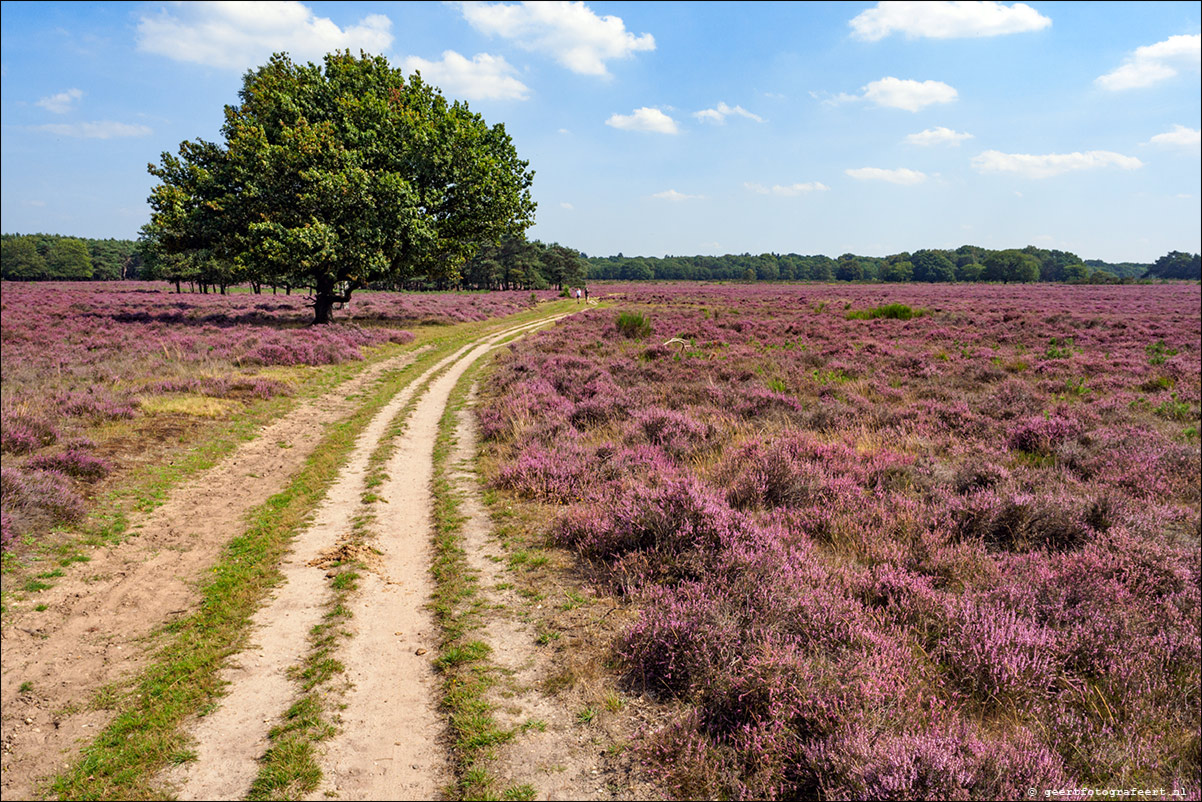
pixel 7 533
pixel 1023 521
pixel 933 765
pixel 38 498
pixel 22 434
pixel 96 404
pixel 675 432
pixel 1042 435
pixel 73 462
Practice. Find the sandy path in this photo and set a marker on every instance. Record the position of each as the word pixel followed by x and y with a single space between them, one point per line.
pixel 97 616
pixel 389 747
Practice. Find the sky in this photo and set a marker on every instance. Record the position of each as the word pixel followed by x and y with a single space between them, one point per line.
pixel 673 128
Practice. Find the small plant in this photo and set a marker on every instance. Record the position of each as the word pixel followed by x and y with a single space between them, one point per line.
pixel 586 715
pixel 1076 387
pixel 1173 409
pixel 889 311
pixel 634 325
pixel 1059 348
pixel 1159 352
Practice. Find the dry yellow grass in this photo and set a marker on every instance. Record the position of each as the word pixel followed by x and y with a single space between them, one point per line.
pixel 197 405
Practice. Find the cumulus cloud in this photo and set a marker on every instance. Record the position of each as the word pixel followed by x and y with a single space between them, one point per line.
pixel 103 129
pixel 568 206
pixel 1152 64
pixel 899 93
pixel 1180 136
pixel 1050 164
pixel 951 20
pixel 62 102
pixel 719 113
pixel 937 136
pixel 569 32
pixel 238 35
pixel 676 197
pixel 645 119
pixel 484 77
pixel 787 191
pixel 902 175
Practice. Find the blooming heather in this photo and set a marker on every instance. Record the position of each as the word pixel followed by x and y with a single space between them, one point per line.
pixel 951 556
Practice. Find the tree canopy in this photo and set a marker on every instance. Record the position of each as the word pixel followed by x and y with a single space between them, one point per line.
pixel 334 176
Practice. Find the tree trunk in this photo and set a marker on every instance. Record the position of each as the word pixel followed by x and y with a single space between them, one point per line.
pixel 325 298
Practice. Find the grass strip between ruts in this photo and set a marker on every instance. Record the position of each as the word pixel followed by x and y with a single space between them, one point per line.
pixel 463 660
pixel 145 736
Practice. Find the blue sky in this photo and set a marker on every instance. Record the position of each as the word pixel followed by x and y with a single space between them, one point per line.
pixel 674 128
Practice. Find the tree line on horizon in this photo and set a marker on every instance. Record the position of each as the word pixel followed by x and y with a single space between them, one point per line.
pixel 54 257
pixel 968 263
pixel 521 264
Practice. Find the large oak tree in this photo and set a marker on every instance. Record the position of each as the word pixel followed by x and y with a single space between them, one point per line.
pixel 336 175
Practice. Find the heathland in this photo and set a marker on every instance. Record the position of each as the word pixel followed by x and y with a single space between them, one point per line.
pixel 857 540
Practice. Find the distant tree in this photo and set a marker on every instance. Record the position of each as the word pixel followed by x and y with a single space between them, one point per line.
pixel 1103 277
pixel 563 266
pixel 20 260
pixel 68 260
pixel 970 272
pixel 1011 266
pixel 849 268
pixel 970 255
pixel 933 266
pixel 1177 264
pixel 897 271
pixel 1075 274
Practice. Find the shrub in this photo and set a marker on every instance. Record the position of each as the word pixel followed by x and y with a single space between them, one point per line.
pixel 633 325
pixel 22 434
pixel 38 497
pixel 890 311
pixel 73 462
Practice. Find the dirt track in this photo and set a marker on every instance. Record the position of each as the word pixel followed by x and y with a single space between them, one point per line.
pixel 92 633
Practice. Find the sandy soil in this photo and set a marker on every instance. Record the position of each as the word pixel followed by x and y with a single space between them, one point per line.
pixel 98 616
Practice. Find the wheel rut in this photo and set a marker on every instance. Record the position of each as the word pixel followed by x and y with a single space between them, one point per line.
pixel 389 740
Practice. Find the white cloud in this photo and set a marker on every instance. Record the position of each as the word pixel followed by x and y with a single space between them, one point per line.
pixel 1180 136
pixel 567 31
pixel 644 119
pixel 566 205
pixel 910 95
pixel 485 77
pixel 1050 164
pixel 103 129
pixel 937 136
pixel 676 197
pixel 950 20
pixel 36 203
pixel 722 111
pixel 901 175
pixel 788 191
pixel 238 35
pixel 1152 64
pixel 62 102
